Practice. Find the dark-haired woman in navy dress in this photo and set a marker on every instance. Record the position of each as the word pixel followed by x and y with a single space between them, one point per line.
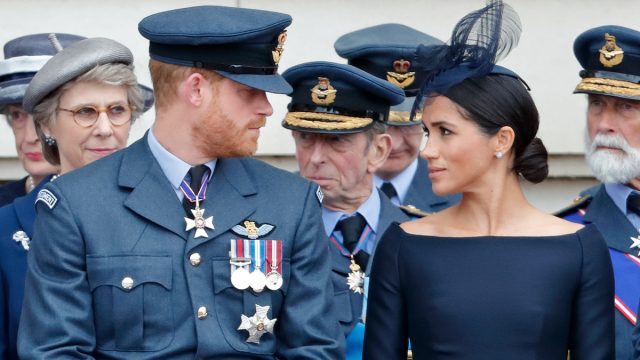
pixel 491 277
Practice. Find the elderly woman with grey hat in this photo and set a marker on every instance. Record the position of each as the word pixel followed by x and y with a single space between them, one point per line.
pixel 83 101
pixel 24 56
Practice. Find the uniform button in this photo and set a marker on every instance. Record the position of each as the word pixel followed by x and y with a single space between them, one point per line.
pixel 195 259
pixel 202 312
pixel 127 283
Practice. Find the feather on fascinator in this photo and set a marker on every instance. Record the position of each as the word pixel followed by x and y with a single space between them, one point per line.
pixel 478 41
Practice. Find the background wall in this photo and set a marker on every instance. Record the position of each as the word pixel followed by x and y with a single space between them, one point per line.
pixel 544 58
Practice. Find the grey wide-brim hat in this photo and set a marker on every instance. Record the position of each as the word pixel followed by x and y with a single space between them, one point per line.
pixel 73 61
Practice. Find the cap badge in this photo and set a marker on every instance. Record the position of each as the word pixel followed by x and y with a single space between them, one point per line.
pixel 277 53
pixel 401 76
pixel 323 93
pixel 610 53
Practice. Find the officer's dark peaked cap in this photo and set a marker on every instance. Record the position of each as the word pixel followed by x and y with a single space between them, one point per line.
pixel 243 45
pixel 388 51
pixel 610 59
pixel 337 98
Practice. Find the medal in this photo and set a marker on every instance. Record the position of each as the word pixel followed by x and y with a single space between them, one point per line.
pixel 258 279
pixel 258 324
pixel 199 222
pixel 240 278
pixel 355 280
pixel 274 280
pixel 274 259
pixel 240 260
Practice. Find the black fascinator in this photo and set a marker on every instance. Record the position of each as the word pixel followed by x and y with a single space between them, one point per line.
pixel 478 41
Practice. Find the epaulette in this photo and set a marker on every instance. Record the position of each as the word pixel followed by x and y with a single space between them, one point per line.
pixel 413 211
pixel 577 204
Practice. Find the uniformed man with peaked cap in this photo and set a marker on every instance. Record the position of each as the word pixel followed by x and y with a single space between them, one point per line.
pixel 610 60
pixel 388 52
pixel 337 114
pixel 180 246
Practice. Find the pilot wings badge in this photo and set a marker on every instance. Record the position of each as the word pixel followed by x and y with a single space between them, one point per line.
pixel 249 229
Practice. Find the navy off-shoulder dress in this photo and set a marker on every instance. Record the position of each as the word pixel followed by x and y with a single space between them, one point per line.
pixel 491 297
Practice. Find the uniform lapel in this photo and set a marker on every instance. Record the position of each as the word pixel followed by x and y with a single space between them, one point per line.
pixel 612 223
pixel 339 263
pixel 152 196
pixel 25 211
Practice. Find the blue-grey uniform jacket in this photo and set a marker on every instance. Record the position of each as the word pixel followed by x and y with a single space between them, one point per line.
pixel 597 207
pixel 120 218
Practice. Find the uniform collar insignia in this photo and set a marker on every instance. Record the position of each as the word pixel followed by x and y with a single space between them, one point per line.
pixel 401 76
pixel 250 229
pixel 323 93
pixel 610 53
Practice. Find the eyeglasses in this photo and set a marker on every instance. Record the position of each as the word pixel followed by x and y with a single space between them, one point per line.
pixel 17 118
pixel 86 116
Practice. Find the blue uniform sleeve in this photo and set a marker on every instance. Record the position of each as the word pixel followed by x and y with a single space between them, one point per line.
pixel 57 317
pixel 4 313
pixel 311 330
pixel 385 335
pixel 592 328
pixel 635 338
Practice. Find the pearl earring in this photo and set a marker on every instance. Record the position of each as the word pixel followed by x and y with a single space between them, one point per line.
pixel 499 154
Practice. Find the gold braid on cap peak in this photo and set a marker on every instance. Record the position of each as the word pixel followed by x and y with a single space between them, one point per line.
pixel 323 121
pixel 609 86
pixel 399 116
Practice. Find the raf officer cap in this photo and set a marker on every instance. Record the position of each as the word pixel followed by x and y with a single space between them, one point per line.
pixel 388 51
pixel 24 56
pixel 337 99
pixel 73 61
pixel 610 58
pixel 243 45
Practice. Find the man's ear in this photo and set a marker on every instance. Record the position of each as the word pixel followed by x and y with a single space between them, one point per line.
pixel 193 89
pixel 378 153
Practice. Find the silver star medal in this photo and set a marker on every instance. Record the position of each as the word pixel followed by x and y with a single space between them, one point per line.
pixel 258 324
pixel 22 238
pixel 636 243
pixel 355 280
pixel 199 222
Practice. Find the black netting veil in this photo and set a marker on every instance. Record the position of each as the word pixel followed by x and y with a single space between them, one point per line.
pixel 478 41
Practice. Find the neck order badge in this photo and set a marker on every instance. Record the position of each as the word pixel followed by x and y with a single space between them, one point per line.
pixel 198 222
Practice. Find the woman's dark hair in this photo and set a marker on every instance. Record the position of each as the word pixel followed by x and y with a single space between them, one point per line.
pixel 494 101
